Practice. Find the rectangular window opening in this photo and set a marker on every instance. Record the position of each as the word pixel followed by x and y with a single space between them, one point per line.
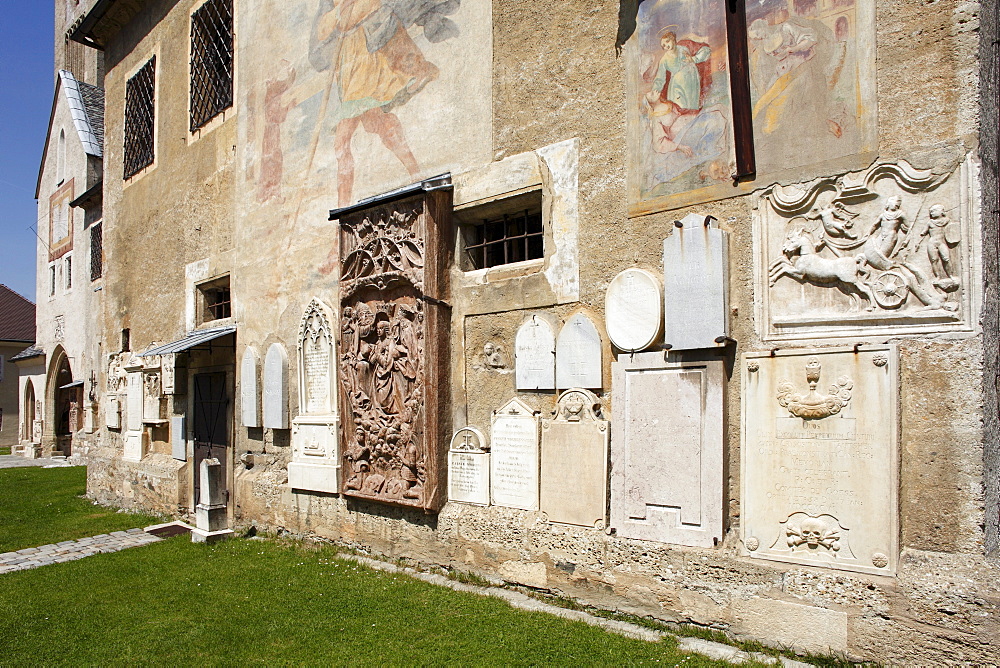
pixel 216 299
pixel 96 251
pixel 68 268
pixel 503 232
pixel 211 61
pixel 140 119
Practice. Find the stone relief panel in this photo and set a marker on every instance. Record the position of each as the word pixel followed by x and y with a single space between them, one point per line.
pixel 469 467
pixel 819 457
pixel 888 249
pixel 574 474
pixel 667 465
pixel 392 329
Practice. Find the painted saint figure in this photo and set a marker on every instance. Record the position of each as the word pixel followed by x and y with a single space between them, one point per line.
pixel 276 109
pixel 679 79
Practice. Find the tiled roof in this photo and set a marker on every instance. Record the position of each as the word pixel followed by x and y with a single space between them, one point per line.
pixel 17 316
pixel 27 354
pixel 86 106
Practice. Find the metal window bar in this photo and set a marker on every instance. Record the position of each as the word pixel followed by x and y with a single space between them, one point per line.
pixel 219 303
pixel 96 251
pixel 211 61
pixel 512 238
pixel 140 120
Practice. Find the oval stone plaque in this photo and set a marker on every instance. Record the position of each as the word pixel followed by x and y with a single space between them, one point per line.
pixel 633 310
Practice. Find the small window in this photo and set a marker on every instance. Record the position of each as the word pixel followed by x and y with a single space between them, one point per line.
pixel 126 340
pixel 216 299
pixel 96 251
pixel 52 280
pixel 211 61
pixel 502 232
pixel 68 268
pixel 140 119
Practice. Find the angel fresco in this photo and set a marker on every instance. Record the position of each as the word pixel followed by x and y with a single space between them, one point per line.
pixel 376 67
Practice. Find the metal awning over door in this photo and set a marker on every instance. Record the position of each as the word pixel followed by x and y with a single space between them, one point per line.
pixel 192 340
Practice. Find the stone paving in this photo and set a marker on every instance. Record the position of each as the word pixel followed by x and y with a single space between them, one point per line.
pixel 17 461
pixel 70 550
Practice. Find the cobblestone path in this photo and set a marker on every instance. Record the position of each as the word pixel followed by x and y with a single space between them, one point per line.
pixel 70 550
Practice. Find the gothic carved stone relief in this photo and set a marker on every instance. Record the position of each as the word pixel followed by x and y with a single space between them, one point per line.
pixel 883 250
pixel 389 366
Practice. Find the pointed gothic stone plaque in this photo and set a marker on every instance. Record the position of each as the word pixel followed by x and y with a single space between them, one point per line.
pixel 394 324
pixel 820 457
pixel 578 354
pixel 574 488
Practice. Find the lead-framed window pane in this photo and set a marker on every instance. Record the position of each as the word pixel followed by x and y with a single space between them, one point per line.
pixel 96 251
pixel 211 61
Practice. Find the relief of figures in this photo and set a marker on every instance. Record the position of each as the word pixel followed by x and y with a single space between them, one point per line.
pixel 885 247
pixel 382 354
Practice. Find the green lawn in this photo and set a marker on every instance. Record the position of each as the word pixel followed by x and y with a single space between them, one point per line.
pixel 4 449
pixel 265 603
pixel 256 602
pixel 40 506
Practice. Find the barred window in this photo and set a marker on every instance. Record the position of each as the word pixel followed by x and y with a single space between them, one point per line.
pixel 96 251
pixel 140 119
pixel 216 299
pixel 502 232
pixel 211 61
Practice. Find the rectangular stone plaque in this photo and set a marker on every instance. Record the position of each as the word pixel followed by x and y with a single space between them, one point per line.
pixel 135 446
pixel 514 461
pixel 696 284
pixel 178 438
pixel 469 467
pixel 574 485
pixel 820 457
pixel 667 440
pixel 113 412
pixel 133 405
pixel 315 464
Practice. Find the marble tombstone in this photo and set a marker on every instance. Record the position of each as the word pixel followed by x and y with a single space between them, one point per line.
pixel 633 310
pixel 667 467
pixel 514 456
pixel 820 457
pixel 250 388
pixel 469 467
pixel 696 284
pixel 574 466
pixel 275 400
pixel 579 354
pixel 535 355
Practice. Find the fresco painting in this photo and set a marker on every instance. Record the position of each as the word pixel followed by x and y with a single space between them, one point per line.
pixel 680 110
pixel 812 91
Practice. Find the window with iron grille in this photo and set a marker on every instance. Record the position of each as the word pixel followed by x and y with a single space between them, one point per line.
pixel 502 232
pixel 96 251
pixel 211 61
pixel 140 119
pixel 216 299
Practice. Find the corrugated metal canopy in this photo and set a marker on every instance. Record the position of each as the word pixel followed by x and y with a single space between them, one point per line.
pixel 75 383
pixel 190 341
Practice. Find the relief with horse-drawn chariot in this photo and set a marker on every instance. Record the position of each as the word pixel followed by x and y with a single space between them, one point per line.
pixel 883 251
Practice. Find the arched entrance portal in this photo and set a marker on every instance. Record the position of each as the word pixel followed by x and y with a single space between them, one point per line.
pixel 68 400
pixel 28 411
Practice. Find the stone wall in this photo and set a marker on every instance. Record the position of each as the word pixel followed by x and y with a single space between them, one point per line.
pixel 558 126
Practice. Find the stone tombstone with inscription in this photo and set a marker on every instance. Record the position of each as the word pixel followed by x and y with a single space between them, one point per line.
pixel 515 457
pixel 469 467
pixel 276 387
pixel 667 436
pixel 315 464
pixel 535 355
pixel 134 401
pixel 633 310
pixel 578 354
pixel 888 250
pixel 113 412
pixel 250 388
pixel 696 284
pixel 820 457
pixel 394 325
pixel 574 473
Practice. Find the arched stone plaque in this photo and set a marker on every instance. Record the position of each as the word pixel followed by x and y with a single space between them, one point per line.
pixel 276 388
pixel 578 354
pixel 633 310
pixel 249 389
pixel 535 355
pixel 469 467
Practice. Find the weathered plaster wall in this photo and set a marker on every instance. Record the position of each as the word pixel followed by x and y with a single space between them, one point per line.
pixel 9 394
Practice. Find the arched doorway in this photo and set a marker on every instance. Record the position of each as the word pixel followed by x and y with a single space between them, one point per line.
pixel 28 411
pixel 66 403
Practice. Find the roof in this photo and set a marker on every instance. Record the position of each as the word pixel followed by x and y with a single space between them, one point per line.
pixel 86 107
pixel 103 21
pixel 17 316
pixel 192 339
pixel 27 354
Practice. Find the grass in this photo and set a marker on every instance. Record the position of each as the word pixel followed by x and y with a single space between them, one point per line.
pixel 264 602
pixel 4 449
pixel 41 506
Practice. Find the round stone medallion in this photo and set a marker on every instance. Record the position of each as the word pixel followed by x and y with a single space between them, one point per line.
pixel 633 310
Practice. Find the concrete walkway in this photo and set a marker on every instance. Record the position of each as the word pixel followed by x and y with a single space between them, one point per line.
pixel 17 461
pixel 71 550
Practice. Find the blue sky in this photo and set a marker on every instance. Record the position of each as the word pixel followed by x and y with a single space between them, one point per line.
pixel 26 85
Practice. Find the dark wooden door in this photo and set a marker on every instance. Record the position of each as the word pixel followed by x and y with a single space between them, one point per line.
pixel 211 422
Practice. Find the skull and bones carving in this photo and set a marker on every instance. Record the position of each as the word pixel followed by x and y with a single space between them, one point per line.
pixel 813 533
